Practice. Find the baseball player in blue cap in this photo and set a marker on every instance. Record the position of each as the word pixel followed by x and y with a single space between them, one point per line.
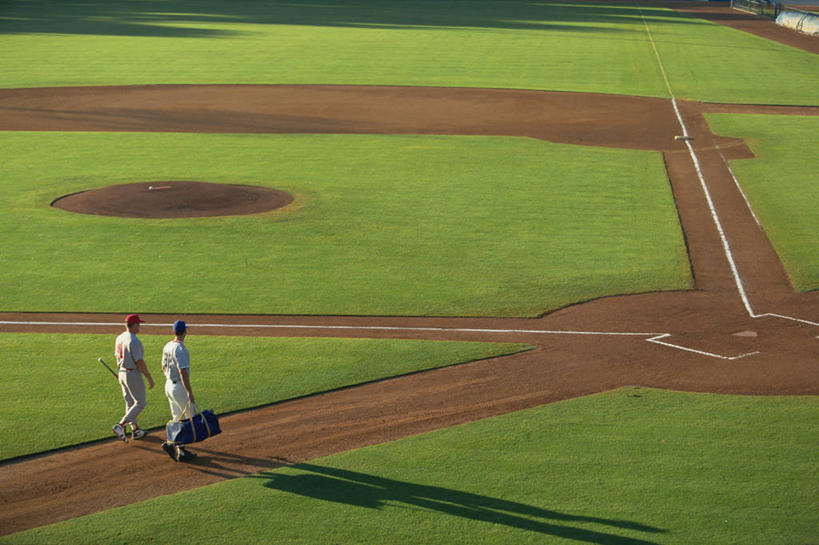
pixel 176 364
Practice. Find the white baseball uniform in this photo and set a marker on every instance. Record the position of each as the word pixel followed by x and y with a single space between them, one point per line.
pixel 128 350
pixel 175 357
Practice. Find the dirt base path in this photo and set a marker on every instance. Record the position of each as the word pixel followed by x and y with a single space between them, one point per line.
pixel 709 339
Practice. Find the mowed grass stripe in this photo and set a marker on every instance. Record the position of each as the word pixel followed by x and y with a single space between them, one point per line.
pixel 382 225
pixel 227 373
pixel 633 466
pixel 780 182
pixel 483 43
pixel 515 44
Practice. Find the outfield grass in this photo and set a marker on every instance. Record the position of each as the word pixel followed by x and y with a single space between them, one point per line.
pixel 634 466
pixel 553 45
pixel 228 374
pixel 781 185
pixel 709 62
pixel 508 44
pixel 382 225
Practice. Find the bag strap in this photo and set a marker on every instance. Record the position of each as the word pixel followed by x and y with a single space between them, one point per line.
pixel 193 428
pixel 190 409
pixel 207 426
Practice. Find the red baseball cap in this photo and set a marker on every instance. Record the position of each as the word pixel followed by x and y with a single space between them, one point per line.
pixel 133 319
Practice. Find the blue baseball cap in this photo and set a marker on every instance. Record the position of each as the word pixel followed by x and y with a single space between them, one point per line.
pixel 179 327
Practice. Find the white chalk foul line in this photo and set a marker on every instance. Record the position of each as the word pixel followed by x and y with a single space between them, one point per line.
pixel 714 215
pixel 686 138
pixel 725 245
pixel 653 337
pixel 442 329
pixel 346 327
pixel 739 187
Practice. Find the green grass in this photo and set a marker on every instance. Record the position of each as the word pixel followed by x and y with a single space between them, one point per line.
pixel 227 373
pixel 634 466
pixel 382 225
pixel 506 44
pixel 781 184
pixel 594 47
pixel 709 62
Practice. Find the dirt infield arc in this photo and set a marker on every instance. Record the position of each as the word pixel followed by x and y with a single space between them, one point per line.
pixel 702 340
pixel 174 199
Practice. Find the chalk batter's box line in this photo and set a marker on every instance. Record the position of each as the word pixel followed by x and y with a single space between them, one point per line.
pixel 656 340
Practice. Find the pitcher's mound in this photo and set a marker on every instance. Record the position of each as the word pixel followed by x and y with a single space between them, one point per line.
pixel 174 200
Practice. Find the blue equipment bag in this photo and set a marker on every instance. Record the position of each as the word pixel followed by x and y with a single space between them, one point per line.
pixel 192 430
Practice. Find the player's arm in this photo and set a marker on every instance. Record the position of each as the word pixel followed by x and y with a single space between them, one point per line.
pixel 186 382
pixel 137 356
pixel 144 369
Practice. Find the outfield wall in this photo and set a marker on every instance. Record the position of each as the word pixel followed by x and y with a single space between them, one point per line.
pixel 802 21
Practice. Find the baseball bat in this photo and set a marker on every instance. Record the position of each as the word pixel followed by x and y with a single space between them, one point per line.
pixel 106 366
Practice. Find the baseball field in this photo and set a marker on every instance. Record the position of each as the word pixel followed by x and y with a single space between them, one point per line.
pixel 500 271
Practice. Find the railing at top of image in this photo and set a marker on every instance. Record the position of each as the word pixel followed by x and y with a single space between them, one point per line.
pixel 759 7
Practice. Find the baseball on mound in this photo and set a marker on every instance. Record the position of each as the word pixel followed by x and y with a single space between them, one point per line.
pixel 150 188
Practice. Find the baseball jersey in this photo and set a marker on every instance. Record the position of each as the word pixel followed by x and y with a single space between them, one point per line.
pixel 128 350
pixel 175 357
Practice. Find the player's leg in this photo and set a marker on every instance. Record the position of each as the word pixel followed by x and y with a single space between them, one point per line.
pixel 136 390
pixel 119 428
pixel 177 398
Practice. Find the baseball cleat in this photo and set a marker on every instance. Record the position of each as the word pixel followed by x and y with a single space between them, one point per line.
pixel 119 431
pixel 169 449
pixel 138 434
pixel 184 455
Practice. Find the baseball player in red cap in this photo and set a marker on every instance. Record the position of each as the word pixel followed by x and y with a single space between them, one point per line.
pixel 131 366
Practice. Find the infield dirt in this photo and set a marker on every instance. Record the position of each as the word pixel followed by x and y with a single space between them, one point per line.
pixel 714 344
pixel 176 199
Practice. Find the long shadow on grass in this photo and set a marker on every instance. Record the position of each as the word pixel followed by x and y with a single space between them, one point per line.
pixel 370 491
pixel 194 18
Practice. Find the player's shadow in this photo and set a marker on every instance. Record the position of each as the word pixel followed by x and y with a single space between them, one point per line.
pixel 370 491
pixel 225 465
pixel 228 465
